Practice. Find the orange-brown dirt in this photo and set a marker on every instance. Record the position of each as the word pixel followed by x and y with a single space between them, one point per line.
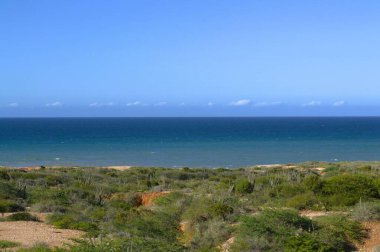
pixel 148 198
pixel 373 241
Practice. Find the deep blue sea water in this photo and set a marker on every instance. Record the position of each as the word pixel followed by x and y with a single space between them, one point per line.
pixel 194 142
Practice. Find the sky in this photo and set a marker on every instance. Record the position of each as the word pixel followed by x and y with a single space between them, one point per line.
pixel 189 58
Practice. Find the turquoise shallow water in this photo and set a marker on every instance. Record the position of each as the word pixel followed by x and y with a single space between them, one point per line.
pixel 200 142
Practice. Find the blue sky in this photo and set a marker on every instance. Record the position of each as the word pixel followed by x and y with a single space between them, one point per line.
pixel 189 58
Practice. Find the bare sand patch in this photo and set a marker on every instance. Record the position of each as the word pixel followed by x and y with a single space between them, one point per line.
pixel 118 168
pixel 29 233
pixel 312 214
pixel 225 247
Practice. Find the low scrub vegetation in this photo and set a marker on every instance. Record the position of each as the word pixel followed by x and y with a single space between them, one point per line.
pixel 199 209
pixel 7 244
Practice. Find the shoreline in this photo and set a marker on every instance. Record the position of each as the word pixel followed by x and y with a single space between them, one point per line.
pixel 312 164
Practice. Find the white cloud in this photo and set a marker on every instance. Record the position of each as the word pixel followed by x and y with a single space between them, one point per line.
pixel 136 103
pixel 338 103
pixel 210 104
pixel 160 103
pixel 242 102
pixel 54 104
pixel 13 105
pixel 312 104
pixel 94 104
pixel 182 104
pixel 266 104
pixel 100 104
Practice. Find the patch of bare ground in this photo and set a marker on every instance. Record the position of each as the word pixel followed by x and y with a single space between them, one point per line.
pixel 313 214
pixel 373 241
pixel 147 199
pixel 118 168
pixel 29 233
pixel 225 247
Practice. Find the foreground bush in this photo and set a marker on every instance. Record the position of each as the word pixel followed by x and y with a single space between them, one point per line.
pixel 285 230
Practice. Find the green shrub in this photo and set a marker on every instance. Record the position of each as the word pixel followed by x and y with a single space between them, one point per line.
pixel 24 216
pixel 4 175
pixel 332 169
pixel 129 244
pixel 339 233
pixel 289 190
pixel 207 236
pixel 244 186
pixel 271 230
pixel 347 190
pixel 285 230
pixel 69 222
pixel 89 227
pixel 8 244
pixel 198 209
pixel 313 183
pixel 221 209
pixel 304 243
pixel 304 201
pixel 61 220
pixel 9 206
pixel 41 247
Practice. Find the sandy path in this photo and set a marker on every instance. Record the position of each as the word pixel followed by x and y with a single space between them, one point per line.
pixel 28 233
pixel 373 241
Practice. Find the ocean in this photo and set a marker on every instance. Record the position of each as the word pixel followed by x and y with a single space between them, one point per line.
pixel 192 142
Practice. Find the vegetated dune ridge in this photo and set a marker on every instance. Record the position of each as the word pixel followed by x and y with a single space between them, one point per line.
pixel 163 209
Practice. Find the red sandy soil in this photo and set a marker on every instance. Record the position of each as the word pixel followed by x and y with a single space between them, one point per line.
pixel 148 198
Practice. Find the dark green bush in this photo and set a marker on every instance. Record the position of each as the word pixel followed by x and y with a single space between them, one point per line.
pixel 313 183
pixel 271 230
pixel 8 244
pixel 284 230
pixel 24 216
pixel 304 201
pixel 338 233
pixel 9 206
pixel 244 186
pixel 347 190
pixel 221 209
